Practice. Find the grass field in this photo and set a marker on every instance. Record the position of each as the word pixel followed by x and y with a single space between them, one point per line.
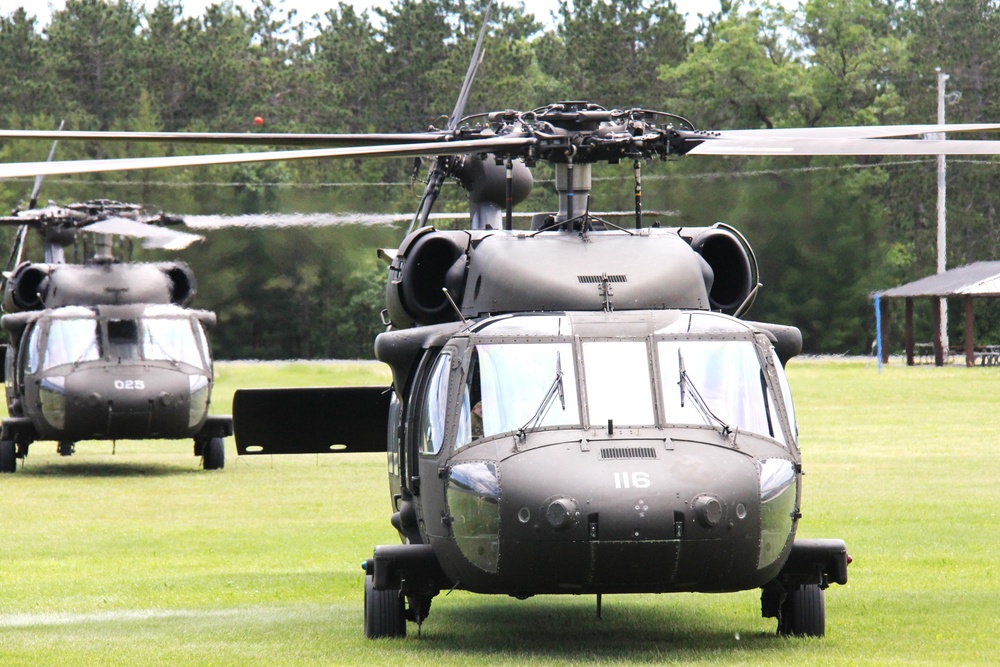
pixel 142 558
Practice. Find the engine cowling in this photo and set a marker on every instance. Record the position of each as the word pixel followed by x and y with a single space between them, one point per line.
pixel 734 267
pixel 428 262
pixel 39 286
pixel 26 288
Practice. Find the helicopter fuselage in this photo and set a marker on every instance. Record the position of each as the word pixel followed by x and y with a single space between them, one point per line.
pixel 561 454
pixel 628 435
pixel 108 372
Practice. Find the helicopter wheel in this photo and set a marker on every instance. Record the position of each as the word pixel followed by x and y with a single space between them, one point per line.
pixel 66 448
pixel 803 613
pixel 8 456
pixel 213 454
pixel 385 612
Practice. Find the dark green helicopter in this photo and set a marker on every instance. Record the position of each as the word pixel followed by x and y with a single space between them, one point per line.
pixel 104 349
pixel 577 407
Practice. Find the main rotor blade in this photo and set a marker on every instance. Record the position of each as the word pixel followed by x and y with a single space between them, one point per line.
pixel 470 74
pixel 23 169
pixel 438 170
pixel 804 147
pixel 235 138
pixel 284 220
pixel 152 236
pixel 866 132
pixel 33 202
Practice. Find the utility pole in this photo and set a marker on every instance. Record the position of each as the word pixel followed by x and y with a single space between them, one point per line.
pixel 942 226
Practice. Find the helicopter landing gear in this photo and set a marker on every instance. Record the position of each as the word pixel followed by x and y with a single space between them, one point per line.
pixel 213 454
pixel 417 608
pixel 803 612
pixel 385 611
pixel 66 448
pixel 8 456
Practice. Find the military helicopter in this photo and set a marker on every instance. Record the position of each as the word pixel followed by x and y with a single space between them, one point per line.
pixel 104 349
pixel 577 407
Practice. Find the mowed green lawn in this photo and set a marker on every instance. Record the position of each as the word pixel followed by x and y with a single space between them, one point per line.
pixel 142 558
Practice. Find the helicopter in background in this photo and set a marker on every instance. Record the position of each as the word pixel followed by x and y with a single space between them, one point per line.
pixel 577 407
pixel 104 349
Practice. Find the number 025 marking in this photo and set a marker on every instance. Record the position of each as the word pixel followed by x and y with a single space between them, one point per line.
pixel 130 384
pixel 633 480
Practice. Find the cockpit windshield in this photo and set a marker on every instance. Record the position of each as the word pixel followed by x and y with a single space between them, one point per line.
pixel 618 384
pixel 526 373
pixel 509 385
pixel 74 340
pixel 171 339
pixel 727 376
pixel 70 341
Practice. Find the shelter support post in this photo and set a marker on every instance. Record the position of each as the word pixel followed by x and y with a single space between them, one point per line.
pixel 883 306
pixel 970 349
pixel 909 331
pixel 937 312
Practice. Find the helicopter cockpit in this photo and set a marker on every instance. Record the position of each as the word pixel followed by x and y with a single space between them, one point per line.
pixel 635 415
pixel 75 335
pixel 531 372
pixel 147 366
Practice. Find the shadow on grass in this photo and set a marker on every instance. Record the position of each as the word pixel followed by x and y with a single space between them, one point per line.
pixel 69 469
pixel 628 631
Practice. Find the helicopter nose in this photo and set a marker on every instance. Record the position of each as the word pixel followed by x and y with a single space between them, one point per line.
pixel 621 518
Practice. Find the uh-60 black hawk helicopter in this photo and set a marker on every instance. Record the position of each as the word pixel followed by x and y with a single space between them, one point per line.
pixel 576 408
pixel 104 349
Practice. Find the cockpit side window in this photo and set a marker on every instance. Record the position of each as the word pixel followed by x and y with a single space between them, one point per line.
pixel 33 350
pixel 786 393
pixel 434 410
pixel 470 414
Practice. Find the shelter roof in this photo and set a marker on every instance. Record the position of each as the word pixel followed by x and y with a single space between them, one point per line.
pixel 977 279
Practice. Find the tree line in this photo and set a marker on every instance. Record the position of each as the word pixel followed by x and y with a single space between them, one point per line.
pixel 827 231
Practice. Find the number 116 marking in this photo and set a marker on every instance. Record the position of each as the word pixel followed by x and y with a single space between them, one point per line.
pixel 634 480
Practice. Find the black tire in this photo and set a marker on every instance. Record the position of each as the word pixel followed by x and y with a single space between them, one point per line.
pixel 8 456
pixel 385 612
pixel 803 613
pixel 213 454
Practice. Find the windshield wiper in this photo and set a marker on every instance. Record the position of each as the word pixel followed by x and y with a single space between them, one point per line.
pixel 686 386
pixel 555 389
pixel 153 340
pixel 91 346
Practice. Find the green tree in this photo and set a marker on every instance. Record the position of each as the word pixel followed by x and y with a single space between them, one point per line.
pixel 28 83
pixel 609 52
pixel 744 72
pixel 92 49
pixel 167 59
pixel 346 59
